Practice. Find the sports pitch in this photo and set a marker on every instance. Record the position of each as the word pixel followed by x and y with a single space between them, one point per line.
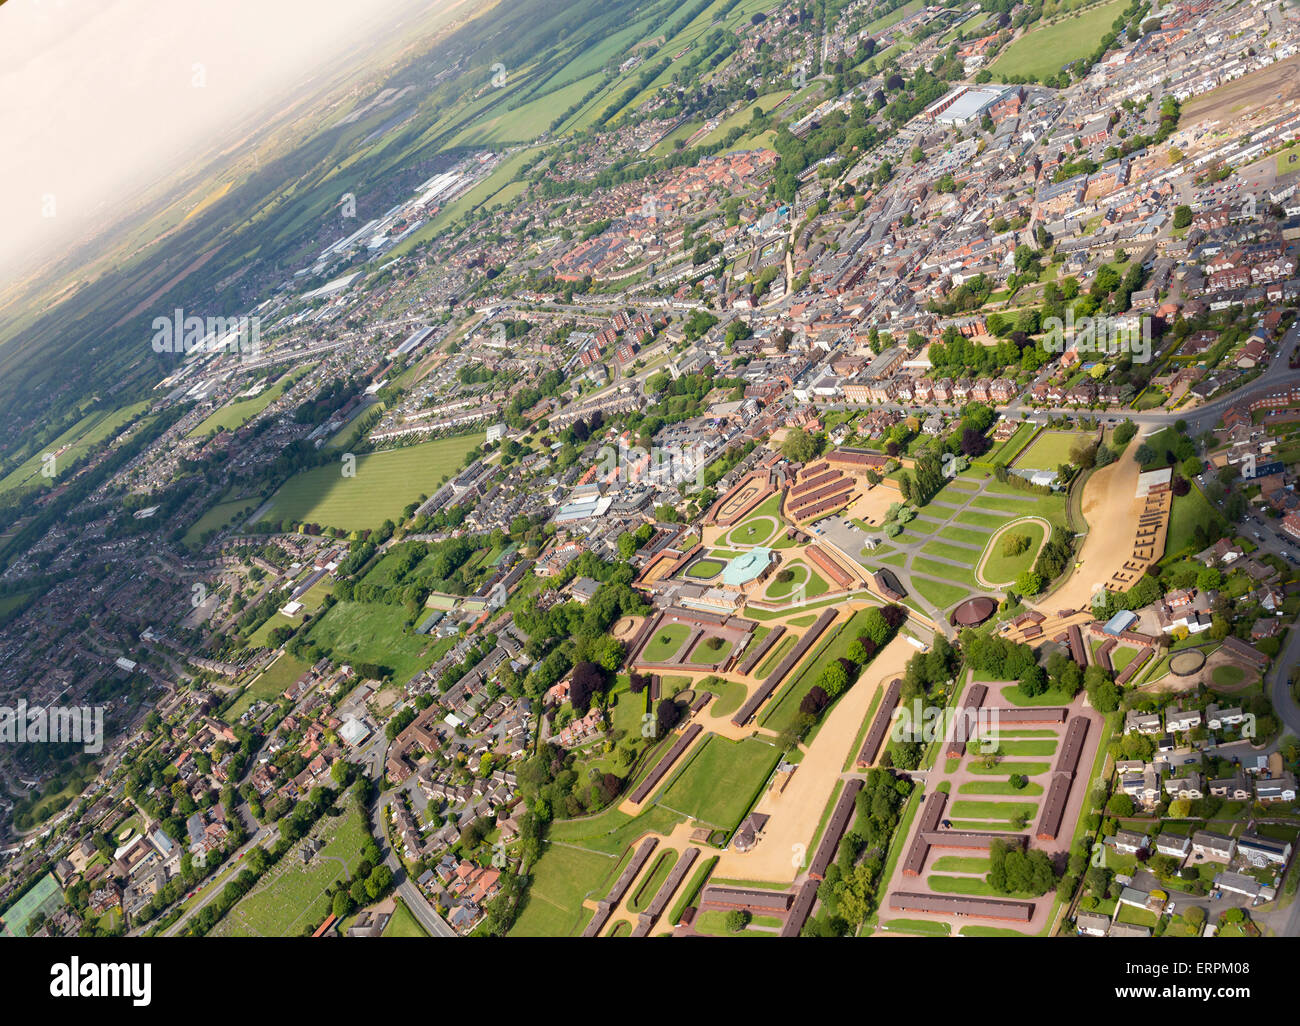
pixel 384 484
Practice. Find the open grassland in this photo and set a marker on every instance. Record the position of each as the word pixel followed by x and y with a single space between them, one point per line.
pixel 238 412
pixel 1045 49
pixel 384 484
pixel 71 446
pixel 269 685
pixel 372 632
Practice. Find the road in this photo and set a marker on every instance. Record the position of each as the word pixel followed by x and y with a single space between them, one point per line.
pixel 224 875
pixel 415 900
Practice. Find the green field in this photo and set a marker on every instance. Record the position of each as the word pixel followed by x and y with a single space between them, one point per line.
pixel 804 577
pixel 561 878
pixel 1045 49
pixel 705 569
pixel 1188 511
pixel 403 924
pixel 665 643
pixel 238 412
pixel 226 513
pixel 384 484
pixel 721 781
pixel 1051 448
pixel 1000 569
pixel 784 707
pixel 78 440
pixel 939 593
pixel 269 684
pixel 291 897
pixel 372 632
pixel 756 530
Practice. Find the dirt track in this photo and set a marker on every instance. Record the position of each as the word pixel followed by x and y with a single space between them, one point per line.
pixel 1111 510
pixel 797 811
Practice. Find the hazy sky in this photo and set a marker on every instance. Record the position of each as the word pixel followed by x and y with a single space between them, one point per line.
pixel 100 97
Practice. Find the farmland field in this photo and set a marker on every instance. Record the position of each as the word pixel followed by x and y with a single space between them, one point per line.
pixel 75 443
pixel 385 483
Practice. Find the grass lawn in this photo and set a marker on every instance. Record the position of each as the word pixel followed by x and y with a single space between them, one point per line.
pixel 922 927
pixel 939 593
pixel 1044 747
pixel 946 550
pixel 223 514
pixel 713 923
pixel 291 897
pixel 785 707
pixel 1003 569
pixel 373 632
pixel 692 889
pixel 653 880
pixel 237 413
pixel 1188 511
pixel 384 484
pixel 721 781
pixel 705 569
pixel 1052 448
pixel 756 530
pixel 1045 49
pixel 403 924
pixel 559 881
pixel 1227 674
pixel 812 583
pixel 666 642
pixel 1136 916
pixel 781 650
pixel 1004 452
pixel 1005 768
pixel 706 652
pixel 998 787
pixel 961 864
pixel 269 684
pixel 991 810
pixel 730 696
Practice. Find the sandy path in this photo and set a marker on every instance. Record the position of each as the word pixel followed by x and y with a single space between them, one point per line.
pixel 797 811
pixel 873 506
pixel 679 840
pixel 1111 509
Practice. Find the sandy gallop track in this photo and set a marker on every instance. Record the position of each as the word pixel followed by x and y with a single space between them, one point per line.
pixel 797 811
pixel 1110 507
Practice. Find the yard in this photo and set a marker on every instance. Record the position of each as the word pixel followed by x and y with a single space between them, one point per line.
pixel 721 781
pixel 664 645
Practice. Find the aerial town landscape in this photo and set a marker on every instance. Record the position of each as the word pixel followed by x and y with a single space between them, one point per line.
pixel 684 468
